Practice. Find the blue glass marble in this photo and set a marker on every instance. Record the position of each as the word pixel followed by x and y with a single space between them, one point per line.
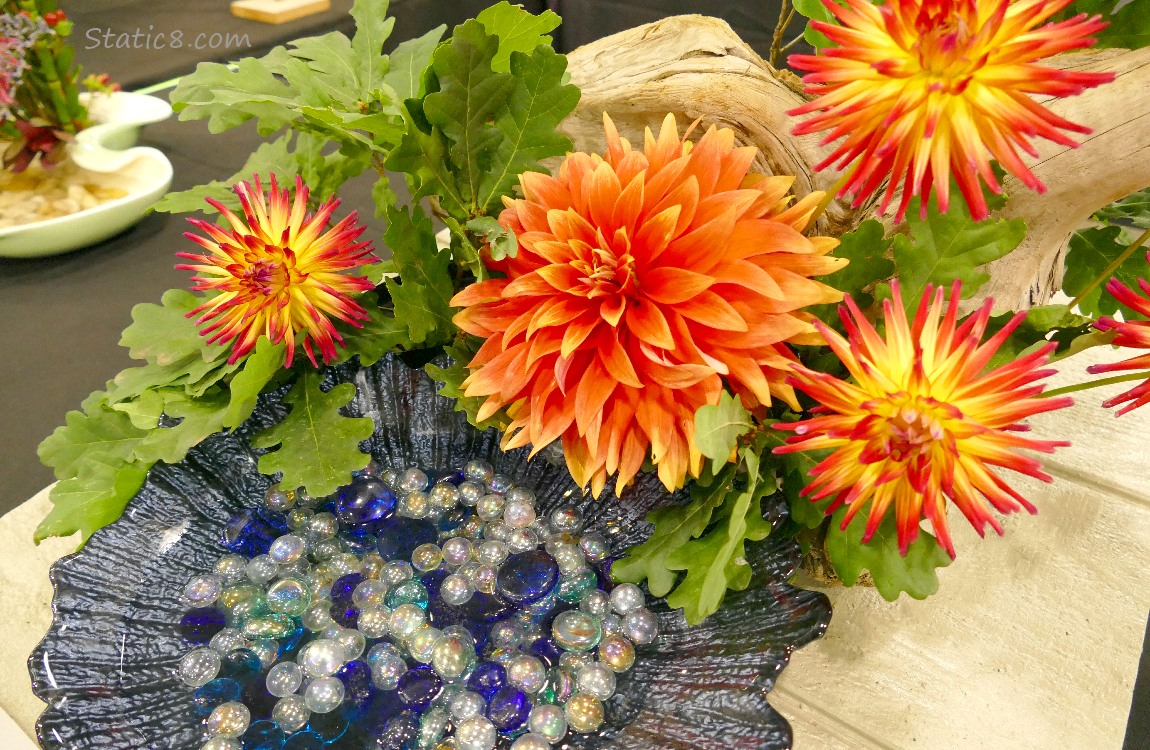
pixel 305 740
pixel 199 625
pixel 487 678
pixel 508 708
pixel 356 679
pixel 365 501
pixel 453 519
pixel 384 706
pixel 290 644
pixel 419 686
pixel 240 663
pixel 252 532
pixel 263 732
pixel 359 541
pixel 545 650
pixel 398 537
pixel 527 577
pixel 455 476
pixel 257 698
pixel 487 607
pixel 344 586
pixel 216 693
pixel 346 615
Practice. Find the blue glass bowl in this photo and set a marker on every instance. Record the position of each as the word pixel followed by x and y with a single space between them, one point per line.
pixel 106 667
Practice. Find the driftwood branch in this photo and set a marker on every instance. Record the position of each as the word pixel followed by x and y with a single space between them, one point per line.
pixel 697 67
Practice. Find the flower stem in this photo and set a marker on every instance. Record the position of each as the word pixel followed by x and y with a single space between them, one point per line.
pixel 1110 269
pixel 828 197
pixel 1097 383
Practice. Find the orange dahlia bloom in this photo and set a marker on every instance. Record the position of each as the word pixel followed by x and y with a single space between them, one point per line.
pixel 1132 334
pixel 644 281
pixel 921 89
pixel 922 422
pixel 277 273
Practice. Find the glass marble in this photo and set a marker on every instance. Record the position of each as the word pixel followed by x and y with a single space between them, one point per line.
pixel 487 678
pixel 641 626
pixel 263 733
pixel 482 577
pixel 287 549
pixel 456 590
pixel 318 616
pixel 508 708
pixel 478 470
pixel 396 572
pixel 499 483
pixel 324 694
pixel 366 500
pixel 457 550
pixel 527 673
pixel 490 507
pixel 203 590
pixel 476 733
pixel 574 630
pixel 426 557
pixel 374 622
pixel 406 618
pixel 350 640
pixel 228 639
pixel 412 480
pixel 261 569
pixel 548 721
pixel 518 515
pixel 386 671
pixel 222 743
pixel 584 713
pixel 617 652
pixel 626 598
pixel 199 667
pixel 198 626
pixel 470 493
pixel 444 496
pixel 279 499
pixel 493 552
pixel 573 587
pixel 291 713
pixel 595 546
pixel 228 720
pixel 240 663
pixel 231 568
pixel 284 679
pixel 522 540
pixel 214 694
pixel 530 741
pixel 466 704
pixel 321 658
pixel 612 624
pixel 508 634
pixel 596 680
pixel 521 495
pixel 419 686
pixel 595 603
pixel 408 592
pixel 322 525
pixel 452 658
pixel 369 593
pixel 421 643
pixel 527 577
pixel 559 687
pixel 414 505
pixel 566 519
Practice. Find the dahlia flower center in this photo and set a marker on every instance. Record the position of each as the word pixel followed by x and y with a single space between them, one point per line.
pixel 913 425
pixel 607 274
pixel 271 274
pixel 945 31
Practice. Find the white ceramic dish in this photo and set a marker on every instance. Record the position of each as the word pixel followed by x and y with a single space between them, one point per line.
pixel 106 151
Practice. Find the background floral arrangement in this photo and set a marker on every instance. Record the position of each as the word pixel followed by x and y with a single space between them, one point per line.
pixel 40 108
pixel 655 307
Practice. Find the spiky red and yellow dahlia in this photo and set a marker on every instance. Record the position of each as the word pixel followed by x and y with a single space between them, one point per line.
pixel 921 89
pixel 922 422
pixel 277 273
pixel 644 281
pixel 1134 334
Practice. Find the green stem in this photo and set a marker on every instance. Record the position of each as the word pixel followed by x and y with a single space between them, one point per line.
pixel 1098 383
pixel 829 197
pixel 780 29
pixel 474 262
pixel 1110 269
pixel 47 68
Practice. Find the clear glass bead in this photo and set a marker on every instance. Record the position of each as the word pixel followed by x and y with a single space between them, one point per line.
pixel 279 499
pixel 522 540
pixel 499 483
pixel 530 741
pixel 323 695
pixel 456 590
pixel 323 549
pixel 452 658
pixel 518 515
pixel 228 720
pixel 352 642
pixel 323 525
pixel 297 518
pixel 227 640
pixel 507 634
pixel 490 507
pixel 317 616
pixel 584 713
pixel 291 713
pixel 596 680
pixel 478 470
pixel 493 552
pixel 203 590
pixel 465 705
pixel 548 721
pixel 387 670
pixel 476 733
pixel 527 673
pixel 406 619
pixel 267 650
pixel 470 493
pixel 199 667
pixel 457 550
pixel 521 495
pixel 396 572
pixel 595 546
pixel 596 603
pixel 412 480
pixel 222 743
pixel 566 519
pixel 626 598
pixel 641 626
pixel 374 622
pixel 231 568
pixel 421 643
pixel 369 593
pixel 426 557
pixel 284 679
pixel 288 597
pixel 390 477
pixel 414 505
pixel 261 569
pixel 322 658
pixel 616 652
pixel 484 579
pixel 444 496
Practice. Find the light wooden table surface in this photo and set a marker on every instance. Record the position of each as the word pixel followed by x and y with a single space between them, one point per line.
pixel 1033 641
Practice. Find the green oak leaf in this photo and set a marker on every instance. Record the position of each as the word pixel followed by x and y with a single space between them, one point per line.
pixel 517 29
pixel 408 62
pixel 163 334
pixel 452 377
pixel 87 503
pixel 794 469
pixel 145 411
pixel 501 242
pixel 1091 252
pixel 260 367
pixel 538 102
pixel 868 251
pixel 372 29
pixel 199 418
pixel 945 247
pixel 381 333
pixel 318 446
pixel 1133 209
pixel 104 436
pixel 1129 22
pixel 674 527
pixel 719 427
pixel 272 156
pixel 816 11
pixel 423 291
pixel 716 561
pixel 228 98
pixel 893 574
pixel 470 97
